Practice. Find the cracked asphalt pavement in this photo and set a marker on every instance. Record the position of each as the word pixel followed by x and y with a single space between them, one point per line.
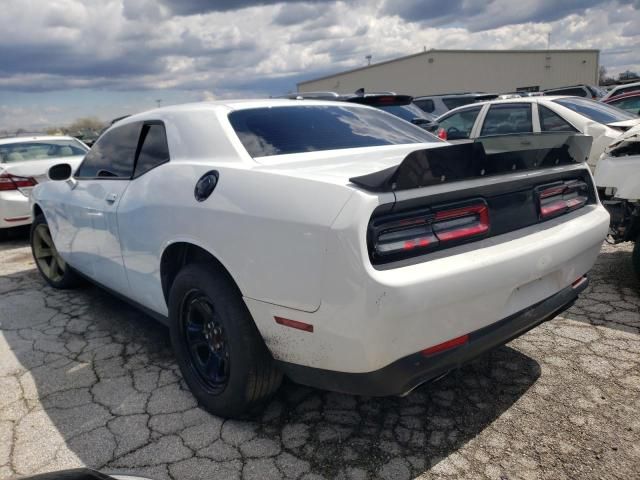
pixel 87 380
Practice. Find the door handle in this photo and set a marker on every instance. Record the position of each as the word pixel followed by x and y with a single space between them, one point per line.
pixel 111 198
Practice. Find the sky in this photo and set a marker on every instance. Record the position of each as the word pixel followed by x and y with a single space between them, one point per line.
pixel 65 59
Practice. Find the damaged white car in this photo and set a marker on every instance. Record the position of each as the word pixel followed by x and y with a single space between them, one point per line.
pixel 333 243
pixel 617 177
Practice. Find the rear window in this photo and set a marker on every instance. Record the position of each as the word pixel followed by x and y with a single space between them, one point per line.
pixel 283 130
pixel 426 105
pixel 575 91
pixel 596 111
pixel 40 150
pixel 455 102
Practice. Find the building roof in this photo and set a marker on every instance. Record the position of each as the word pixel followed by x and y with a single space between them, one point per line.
pixel 432 51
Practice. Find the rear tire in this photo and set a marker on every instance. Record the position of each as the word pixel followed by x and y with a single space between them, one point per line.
pixel 635 257
pixel 52 267
pixel 219 349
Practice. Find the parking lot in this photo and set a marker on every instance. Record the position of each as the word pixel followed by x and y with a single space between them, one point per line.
pixel 87 380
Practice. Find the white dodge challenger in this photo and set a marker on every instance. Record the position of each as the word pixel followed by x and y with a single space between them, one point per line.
pixel 329 242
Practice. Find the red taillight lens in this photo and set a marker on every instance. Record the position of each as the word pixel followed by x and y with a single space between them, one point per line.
pixel 410 234
pixel 13 182
pixel 561 198
pixel 442 133
pixel 460 223
pixel 427 230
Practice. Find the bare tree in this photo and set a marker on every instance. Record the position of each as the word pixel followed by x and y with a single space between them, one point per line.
pixel 86 123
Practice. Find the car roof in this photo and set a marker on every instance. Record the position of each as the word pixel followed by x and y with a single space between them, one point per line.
pixel 233 105
pixel 635 93
pixel 456 94
pixel 568 86
pixel 33 138
pixel 539 99
pixel 624 85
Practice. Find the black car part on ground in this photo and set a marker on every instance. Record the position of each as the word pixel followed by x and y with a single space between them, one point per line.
pixel 80 474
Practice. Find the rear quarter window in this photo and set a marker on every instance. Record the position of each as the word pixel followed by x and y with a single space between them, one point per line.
pixel 284 130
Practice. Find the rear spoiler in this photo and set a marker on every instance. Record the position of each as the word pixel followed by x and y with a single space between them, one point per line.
pixel 483 157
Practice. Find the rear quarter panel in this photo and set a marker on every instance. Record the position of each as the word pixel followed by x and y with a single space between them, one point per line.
pixel 269 230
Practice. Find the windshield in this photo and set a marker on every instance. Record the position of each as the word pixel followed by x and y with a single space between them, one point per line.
pixel 597 111
pixel 283 130
pixel 406 112
pixel 40 150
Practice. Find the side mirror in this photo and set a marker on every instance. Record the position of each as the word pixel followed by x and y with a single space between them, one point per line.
pixel 59 172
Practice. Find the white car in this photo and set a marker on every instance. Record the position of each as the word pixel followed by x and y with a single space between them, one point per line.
pixel 538 114
pixel 331 242
pixel 621 90
pixel 617 177
pixel 24 162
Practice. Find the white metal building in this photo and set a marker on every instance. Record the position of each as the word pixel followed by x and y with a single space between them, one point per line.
pixel 444 71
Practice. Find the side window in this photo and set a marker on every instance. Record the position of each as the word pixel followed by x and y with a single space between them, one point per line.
pixel 459 125
pixel 426 105
pixel 154 150
pixel 507 118
pixel 631 105
pixel 552 122
pixel 113 154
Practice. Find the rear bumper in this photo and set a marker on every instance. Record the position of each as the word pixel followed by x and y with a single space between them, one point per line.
pixel 407 373
pixel 14 209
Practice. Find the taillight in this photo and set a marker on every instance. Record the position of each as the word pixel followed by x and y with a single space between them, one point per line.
pixel 13 182
pixel 430 229
pixel 561 197
pixel 460 223
pixel 442 134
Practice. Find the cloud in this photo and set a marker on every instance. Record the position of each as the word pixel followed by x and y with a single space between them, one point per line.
pixel 194 7
pixel 477 15
pixel 191 49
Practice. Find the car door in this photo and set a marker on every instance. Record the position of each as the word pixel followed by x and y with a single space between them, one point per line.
pixel 141 222
pixel 510 120
pixel 90 207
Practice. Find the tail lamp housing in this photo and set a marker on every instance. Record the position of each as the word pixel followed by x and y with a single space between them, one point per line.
pixel 561 197
pixel 429 229
pixel 13 182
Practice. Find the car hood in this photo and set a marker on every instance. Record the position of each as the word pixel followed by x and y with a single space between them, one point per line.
pixel 338 166
pixel 38 168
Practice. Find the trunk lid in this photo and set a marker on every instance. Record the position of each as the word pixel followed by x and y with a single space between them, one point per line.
pixel 37 169
pixel 624 125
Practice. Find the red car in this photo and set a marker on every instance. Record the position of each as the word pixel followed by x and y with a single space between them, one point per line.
pixel 627 101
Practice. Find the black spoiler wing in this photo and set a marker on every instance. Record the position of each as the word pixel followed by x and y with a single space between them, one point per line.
pixel 483 157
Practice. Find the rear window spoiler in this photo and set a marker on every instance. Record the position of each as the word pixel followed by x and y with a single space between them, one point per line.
pixel 488 156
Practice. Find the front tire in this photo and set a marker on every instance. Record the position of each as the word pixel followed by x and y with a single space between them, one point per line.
pixel 52 267
pixel 219 350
